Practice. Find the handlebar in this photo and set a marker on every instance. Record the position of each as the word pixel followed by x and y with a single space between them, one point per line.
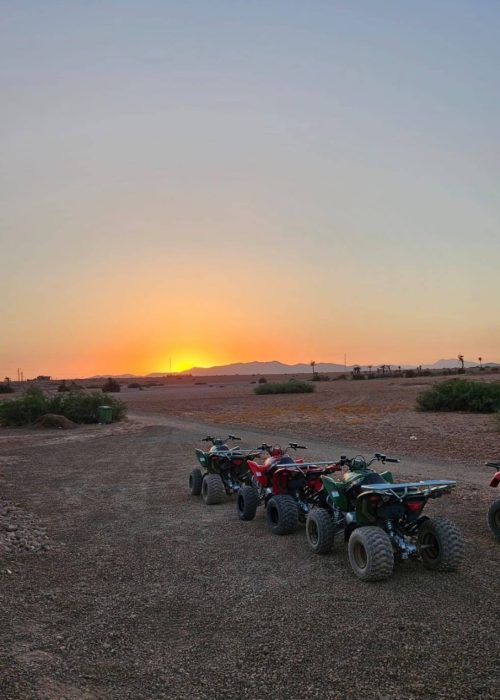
pixel 210 438
pixel 295 446
pixel 495 465
pixel 383 458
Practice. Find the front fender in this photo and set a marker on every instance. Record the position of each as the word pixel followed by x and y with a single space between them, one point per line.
pixel 496 480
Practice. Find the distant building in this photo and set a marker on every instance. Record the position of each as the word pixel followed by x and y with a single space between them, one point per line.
pixel 42 378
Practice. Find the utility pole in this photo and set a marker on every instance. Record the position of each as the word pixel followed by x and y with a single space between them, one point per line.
pixel 345 360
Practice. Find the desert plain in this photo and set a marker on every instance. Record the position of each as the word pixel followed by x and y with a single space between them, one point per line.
pixel 116 583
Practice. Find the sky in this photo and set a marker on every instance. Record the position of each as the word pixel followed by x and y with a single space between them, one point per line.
pixel 198 183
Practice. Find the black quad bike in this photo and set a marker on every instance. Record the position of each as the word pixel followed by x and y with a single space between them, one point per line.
pixel 494 510
pixel 382 520
pixel 224 469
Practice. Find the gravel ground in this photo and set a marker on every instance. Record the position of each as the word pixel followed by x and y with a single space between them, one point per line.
pixel 145 592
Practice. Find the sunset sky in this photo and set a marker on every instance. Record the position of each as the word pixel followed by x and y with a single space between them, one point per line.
pixel 229 181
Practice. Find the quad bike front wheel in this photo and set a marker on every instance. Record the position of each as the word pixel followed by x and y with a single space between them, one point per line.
pixel 212 489
pixel 494 518
pixel 195 482
pixel 247 502
pixel 320 530
pixel 282 515
pixel 370 553
pixel 440 544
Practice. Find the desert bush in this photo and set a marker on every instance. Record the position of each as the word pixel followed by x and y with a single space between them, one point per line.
pixel 285 388
pixel 134 385
pixel 461 395
pixel 75 405
pixel 24 410
pixel 6 388
pixel 409 373
pixel 111 385
pixel 262 380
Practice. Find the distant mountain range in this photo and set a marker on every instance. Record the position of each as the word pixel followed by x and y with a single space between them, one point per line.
pixel 275 367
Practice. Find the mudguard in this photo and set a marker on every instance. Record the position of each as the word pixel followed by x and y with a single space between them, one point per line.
pixel 336 492
pixel 496 480
pixel 365 509
pixel 202 458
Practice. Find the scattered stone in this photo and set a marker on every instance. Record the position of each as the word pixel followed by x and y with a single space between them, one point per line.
pixel 19 531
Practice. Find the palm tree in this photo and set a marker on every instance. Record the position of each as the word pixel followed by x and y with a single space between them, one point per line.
pixel 461 360
pixel 370 370
pixel 313 365
pixel 480 362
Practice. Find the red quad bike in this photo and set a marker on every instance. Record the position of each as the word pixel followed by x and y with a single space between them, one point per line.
pixel 494 511
pixel 288 488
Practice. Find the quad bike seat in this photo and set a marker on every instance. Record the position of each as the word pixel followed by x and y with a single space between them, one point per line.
pixel 361 479
pixel 286 459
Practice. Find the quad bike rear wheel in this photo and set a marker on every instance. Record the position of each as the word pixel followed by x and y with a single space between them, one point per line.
pixel 282 515
pixel 247 502
pixel 320 530
pixel 212 489
pixel 370 553
pixel 440 544
pixel 494 518
pixel 195 482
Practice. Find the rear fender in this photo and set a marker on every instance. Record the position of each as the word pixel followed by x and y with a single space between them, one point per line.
pixel 366 508
pixel 387 476
pixel 496 480
pixel 280 482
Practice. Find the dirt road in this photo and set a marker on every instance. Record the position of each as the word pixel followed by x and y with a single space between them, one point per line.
pixel 145 592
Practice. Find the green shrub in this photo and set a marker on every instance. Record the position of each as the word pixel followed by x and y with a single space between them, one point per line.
pixel 409 373
pixel 6 388
pixel 75 405
pixel 82 408
pixel 285 388
pixel 461 395
pixel 262 380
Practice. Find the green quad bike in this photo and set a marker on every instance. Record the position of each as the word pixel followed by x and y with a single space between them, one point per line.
pixel 382 520
pixel 224 470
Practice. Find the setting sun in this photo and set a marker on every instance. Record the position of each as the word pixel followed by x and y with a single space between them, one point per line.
pixel 183 362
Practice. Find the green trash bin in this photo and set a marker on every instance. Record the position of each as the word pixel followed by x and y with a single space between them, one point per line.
pixel 104 414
